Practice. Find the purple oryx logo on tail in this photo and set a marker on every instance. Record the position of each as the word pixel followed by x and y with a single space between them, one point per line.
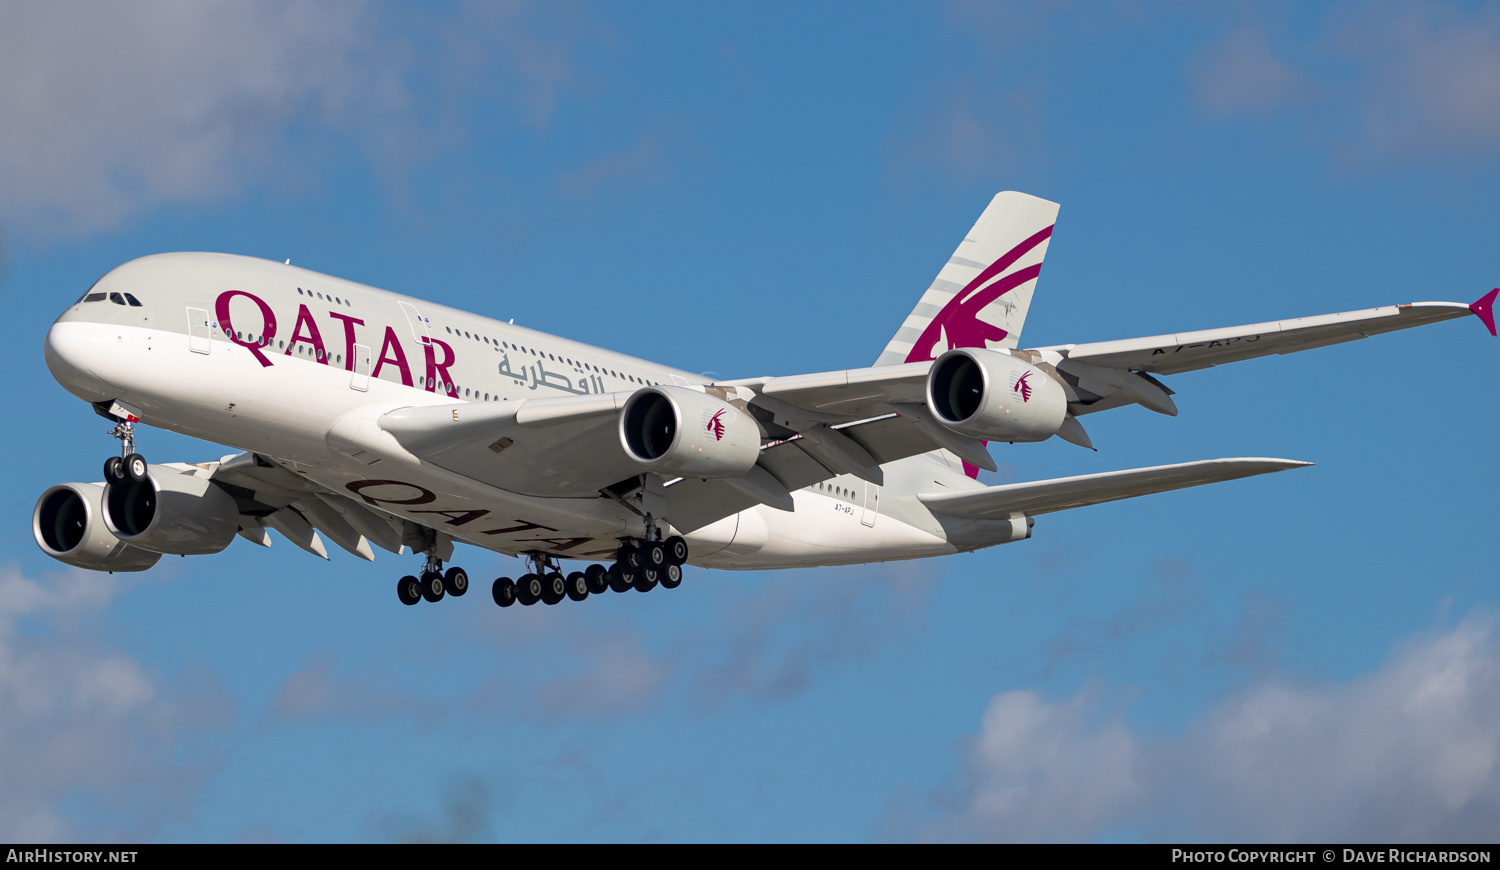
pixel 1023 387
pixel 716 425
pixel 958 324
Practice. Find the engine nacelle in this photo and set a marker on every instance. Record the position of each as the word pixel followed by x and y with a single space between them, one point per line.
pixel 68 524
pixel 994 396
pixel 675 430
pixel 171 512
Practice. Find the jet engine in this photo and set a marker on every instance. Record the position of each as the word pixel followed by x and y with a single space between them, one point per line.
pixel 69 526
pixel 678 431
pixel 171 511
pixel 994 396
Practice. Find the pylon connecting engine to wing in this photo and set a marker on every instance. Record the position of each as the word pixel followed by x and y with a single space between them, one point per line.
pixel 994 396
pixel 678 431
pixel 171 512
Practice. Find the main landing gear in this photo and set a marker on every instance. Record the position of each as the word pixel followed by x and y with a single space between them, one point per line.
pixel 433 584
pixel 638 565
pixel 129 465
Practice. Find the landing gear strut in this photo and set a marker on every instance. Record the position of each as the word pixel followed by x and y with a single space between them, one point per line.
pixel 129 465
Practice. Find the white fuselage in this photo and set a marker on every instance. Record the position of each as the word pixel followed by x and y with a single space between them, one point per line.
pixel 299 366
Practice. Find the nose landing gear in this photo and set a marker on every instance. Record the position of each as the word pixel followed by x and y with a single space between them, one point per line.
pixel 129 465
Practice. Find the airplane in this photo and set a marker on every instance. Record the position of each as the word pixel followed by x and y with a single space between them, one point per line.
pixel 382 420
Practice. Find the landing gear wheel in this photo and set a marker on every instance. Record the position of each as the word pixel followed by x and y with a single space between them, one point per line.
pixel 646 579
pixel 136 468
pixel 114 470
pixel 578 586
pixel 554 588
pixel 628 556
pixel 456 582
pixel 529 589
pixel 432 586
pixel 654 555
pixel 671 576
pixel 409 590
pixel 597 578
pixel 677 550
pixel 618 579
pixel 504 592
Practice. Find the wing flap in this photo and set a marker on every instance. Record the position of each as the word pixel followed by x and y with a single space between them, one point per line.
pixel 1047 496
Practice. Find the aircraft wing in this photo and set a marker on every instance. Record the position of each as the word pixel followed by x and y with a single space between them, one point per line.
pixel 269 497
pixel 1108 374
pixel 1047 496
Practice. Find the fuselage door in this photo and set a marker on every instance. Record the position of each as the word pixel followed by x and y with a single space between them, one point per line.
pixel 414 319
pixel 872 505
pixel 200 334
pixel 360 380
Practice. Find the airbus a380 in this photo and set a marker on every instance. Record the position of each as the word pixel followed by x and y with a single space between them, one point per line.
pixel 373 419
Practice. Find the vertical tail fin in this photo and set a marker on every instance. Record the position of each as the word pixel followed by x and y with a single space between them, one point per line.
pixel 981 295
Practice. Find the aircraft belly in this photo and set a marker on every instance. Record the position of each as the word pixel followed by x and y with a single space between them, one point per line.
pixel 822 532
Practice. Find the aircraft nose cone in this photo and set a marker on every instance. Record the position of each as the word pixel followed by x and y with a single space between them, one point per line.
pixel 72 353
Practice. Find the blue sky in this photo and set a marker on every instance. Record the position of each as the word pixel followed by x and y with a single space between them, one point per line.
pixel 766 189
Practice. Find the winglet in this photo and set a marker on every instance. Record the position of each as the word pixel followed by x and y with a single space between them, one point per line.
pixel 1485 308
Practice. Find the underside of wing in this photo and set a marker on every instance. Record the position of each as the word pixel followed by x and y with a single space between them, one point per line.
pixel 1047 496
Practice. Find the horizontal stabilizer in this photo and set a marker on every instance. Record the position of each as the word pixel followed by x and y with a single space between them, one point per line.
pixel 1046 496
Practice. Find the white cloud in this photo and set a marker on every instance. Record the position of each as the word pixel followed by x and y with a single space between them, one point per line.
pixel 1432 78
pixel 1240 74
pixel 1410 752
pixel 1381 81
pixel 113 108
pixel 82 725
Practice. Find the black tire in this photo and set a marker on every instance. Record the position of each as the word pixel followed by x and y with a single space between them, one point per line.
pixel 529 589
pixel 432 586
pixel 504 592
pixel 628 556
pixel 654 555
pixel 619 579
pixel 409 590
pixel 136 467
pixel 677 550
pixel 456 582
pixel 646 579
pixel 554 588
pixel 114 470
pixel 597 576
pixel 671 576
pixel 578 586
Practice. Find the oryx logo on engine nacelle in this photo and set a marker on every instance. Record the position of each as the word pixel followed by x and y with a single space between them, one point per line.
pixel 1023 387
pixel 716 425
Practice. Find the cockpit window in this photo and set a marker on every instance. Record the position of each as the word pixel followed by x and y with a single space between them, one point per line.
pixel 93 297
pixel 117 299
pixel 134 302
